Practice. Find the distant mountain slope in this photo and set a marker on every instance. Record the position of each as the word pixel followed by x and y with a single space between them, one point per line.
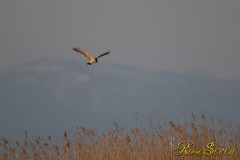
pixel 50 95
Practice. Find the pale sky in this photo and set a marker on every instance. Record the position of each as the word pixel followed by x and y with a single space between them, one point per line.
pixel 176 35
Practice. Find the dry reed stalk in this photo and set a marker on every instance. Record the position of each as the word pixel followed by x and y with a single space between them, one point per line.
pixel 139 143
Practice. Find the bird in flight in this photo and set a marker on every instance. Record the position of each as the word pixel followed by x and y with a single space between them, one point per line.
pixel 89 56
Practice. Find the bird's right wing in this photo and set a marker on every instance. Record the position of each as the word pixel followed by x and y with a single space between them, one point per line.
pixel 86 54
pixel 106 53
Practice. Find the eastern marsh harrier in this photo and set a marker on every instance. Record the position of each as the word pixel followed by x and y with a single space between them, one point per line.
pixel 89 56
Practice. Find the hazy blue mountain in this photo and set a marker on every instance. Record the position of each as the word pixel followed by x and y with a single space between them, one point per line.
pixel 48 96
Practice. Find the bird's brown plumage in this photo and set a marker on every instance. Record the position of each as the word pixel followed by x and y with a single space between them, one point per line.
pixel 85 53
pixel 89 56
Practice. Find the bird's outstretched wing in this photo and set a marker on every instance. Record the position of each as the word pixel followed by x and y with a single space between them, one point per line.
pixel 106 53
pixel 86 54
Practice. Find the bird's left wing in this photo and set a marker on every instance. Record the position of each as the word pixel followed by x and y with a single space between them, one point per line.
pixel 86 54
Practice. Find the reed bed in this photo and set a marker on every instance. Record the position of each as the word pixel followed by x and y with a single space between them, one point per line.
pixel 151 143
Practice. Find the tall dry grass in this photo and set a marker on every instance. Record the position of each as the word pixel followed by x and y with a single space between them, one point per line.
pixel 153 143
